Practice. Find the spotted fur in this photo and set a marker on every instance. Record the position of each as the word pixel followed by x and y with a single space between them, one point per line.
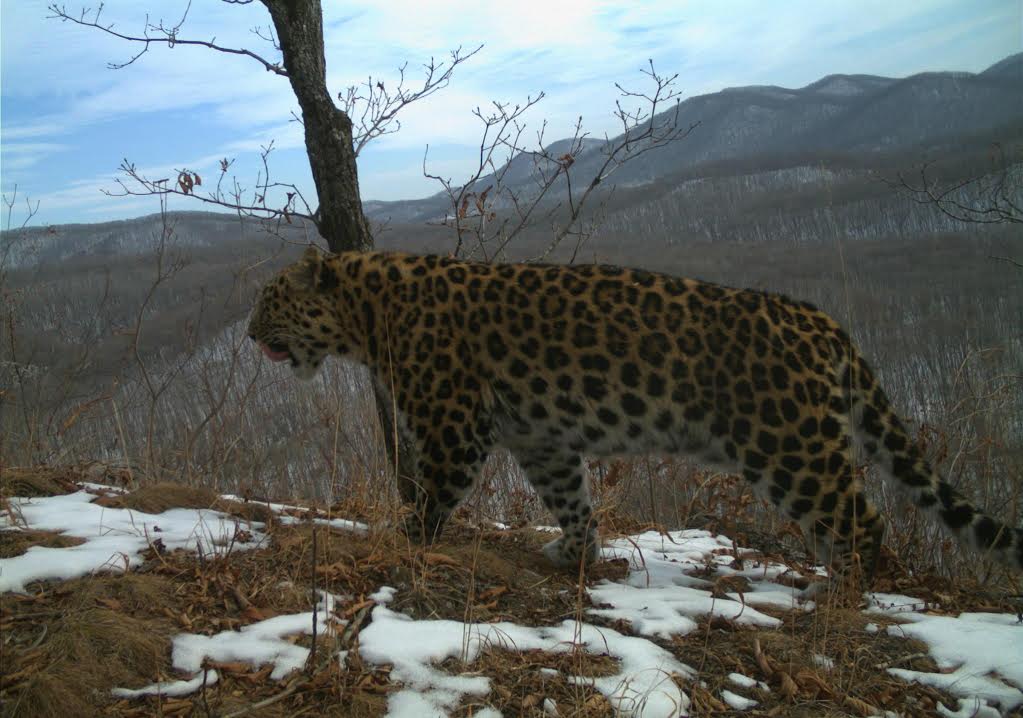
pixel 557 362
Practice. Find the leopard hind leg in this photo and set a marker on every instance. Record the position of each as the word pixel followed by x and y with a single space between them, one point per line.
pixel 560 480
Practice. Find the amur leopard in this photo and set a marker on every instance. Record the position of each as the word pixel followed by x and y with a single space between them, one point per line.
pixel 557 362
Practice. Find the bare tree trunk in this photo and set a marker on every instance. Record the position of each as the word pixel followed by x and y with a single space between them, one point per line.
pixel 328 141
pixel 328 130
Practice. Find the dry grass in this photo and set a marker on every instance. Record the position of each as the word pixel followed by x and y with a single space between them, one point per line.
pixel 521 682
pixel 158 497
pixel 16 543
pixel 68 643
pixel 39 480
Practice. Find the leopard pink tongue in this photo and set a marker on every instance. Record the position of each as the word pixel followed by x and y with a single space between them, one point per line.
pixel 272 355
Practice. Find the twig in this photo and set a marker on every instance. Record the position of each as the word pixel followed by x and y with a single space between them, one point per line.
pixel 380 106
pixel 351 631
pixel 1011 261
pixel 264 703
pixel 316 605
pixel 169 37
pixel 896 661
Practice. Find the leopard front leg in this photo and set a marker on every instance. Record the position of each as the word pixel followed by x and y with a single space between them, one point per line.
pixel 448 468
pixel 560 480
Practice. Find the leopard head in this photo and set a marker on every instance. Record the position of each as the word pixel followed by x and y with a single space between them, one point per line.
pixel 293 316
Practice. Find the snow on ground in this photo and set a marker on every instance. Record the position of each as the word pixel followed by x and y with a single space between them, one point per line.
pixel 343 524
pixel 824 662
pixel 744 681
pixel 659 600
pixel 969 648
pixel 739 703
pixel 643 686
pixel 259 644
pixel 892 603
pixel 114 539
pixel 980 655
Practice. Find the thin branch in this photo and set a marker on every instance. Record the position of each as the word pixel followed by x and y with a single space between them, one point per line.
pixel 489 210
pixel 186 181
pixel 162 35
pixel 993 197
pixel 1011 261
pixel 381 105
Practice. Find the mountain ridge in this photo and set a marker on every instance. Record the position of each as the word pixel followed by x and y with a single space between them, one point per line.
pixel 837 114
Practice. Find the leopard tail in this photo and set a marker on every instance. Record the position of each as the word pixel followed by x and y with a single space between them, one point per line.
pixel 882 434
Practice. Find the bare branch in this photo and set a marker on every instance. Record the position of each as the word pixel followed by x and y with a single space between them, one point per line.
pixel 30 210
pixel 994 197
pixel 161 34
pixel 489 209
pixel 1013 262
pixel 13 237
pixel 186 182
pixel 381 105
pixel 642 131
pixel 266 35
pixel 502 130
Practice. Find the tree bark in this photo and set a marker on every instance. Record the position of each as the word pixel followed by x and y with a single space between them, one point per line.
pixel 328 142
pixel 328 130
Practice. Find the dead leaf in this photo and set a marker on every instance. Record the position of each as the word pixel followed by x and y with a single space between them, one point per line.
pixel 492 593
pixel 789 689
pixel 439 559
pixel 230 666
pixel 251 613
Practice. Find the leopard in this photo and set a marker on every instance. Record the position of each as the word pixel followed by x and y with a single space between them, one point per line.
pixel 555 363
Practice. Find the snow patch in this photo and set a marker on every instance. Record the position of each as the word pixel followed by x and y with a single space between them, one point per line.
pixel 739 703
pixel 114 538
pixel 258 644
pixel 643 687
pixel 824 662
pixel 384 594
pixel 659 599
pixel 970 708
pixel 980 654
pixel 893 603
pixel 744 681
pixel 284 518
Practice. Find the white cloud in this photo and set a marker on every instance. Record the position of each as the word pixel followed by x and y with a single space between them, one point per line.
pixel 36 129
pixel 20 156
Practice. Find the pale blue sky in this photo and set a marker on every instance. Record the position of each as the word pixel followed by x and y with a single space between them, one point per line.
pixel 67 121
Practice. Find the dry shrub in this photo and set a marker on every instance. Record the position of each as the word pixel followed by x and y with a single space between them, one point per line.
pixel 113 647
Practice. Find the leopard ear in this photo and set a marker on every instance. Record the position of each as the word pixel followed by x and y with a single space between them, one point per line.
pixel 311 255
pixel 305 273
pixel 312 273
